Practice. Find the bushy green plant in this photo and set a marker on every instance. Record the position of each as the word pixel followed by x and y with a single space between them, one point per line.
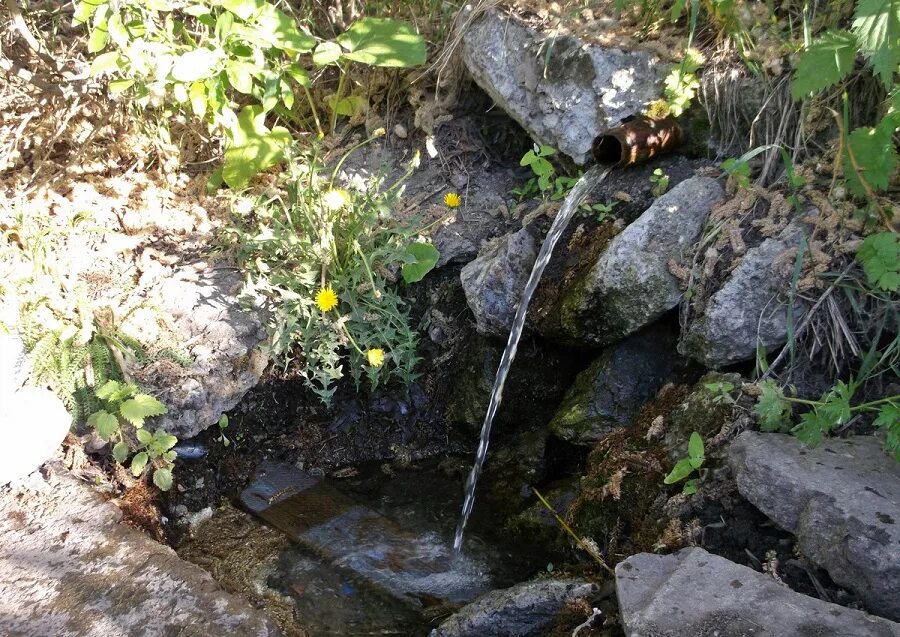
pixel 75 348
pixel 325 265
pixel 686 467
pixel 208 58
pixel 121 419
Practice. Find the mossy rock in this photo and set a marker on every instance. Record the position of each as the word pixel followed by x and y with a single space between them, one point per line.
pixel 705 410
pixel 609 393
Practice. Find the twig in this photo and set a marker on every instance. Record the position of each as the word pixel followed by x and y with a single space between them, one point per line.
pixel 588 622
pixel 22 27
pixel 581 542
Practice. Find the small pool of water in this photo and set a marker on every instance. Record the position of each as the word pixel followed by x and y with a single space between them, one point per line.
pixel 369 554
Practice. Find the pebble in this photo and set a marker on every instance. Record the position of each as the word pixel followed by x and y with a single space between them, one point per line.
pixel 400 131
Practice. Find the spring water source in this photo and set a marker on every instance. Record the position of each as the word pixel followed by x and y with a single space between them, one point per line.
pixel 579 192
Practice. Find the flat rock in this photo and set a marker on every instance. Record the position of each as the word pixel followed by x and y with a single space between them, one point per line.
pixel 842 501
pixel 693 592
pixel 608 394
pixel 630 285
pixel 560 90
pixel 750 308
pixel 524 610
pixel 494 282
pixel 69 567
pixel 220 339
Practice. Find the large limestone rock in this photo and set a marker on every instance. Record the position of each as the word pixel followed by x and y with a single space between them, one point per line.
pixel 750 308
pixel 221 340
pixel 524 610
pixel 693 592
pixel 69 567
pixel 842 501
pixel 494 282
pixel 609 393
pixel 33 423
pixel 560 90
pixel 630 285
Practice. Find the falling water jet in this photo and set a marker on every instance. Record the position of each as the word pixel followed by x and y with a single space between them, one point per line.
pixel 579 192
pixel 635 141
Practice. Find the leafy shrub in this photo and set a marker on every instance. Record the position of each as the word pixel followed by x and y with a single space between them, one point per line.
pixel 121 418
pixel 324 263
pixel 209 57
pixel 74 346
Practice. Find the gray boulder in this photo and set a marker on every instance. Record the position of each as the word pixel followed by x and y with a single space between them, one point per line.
pixel 693 592
pixel 70 567
pixel 221 340
pixel 750 307
pixel 560 90
pixel 609 393
pixel 521 611
pixel 630 285
pixel 842 501
pixel 494 282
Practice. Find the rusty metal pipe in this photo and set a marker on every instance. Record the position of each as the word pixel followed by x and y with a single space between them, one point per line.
pixel 636 140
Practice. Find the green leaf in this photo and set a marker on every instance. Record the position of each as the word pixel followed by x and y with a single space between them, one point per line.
pixel 240 75
pixel 120 452
pixel 98 38
pixel 144 437
pixel 299 74
pixel 195 65
pixel 424 257
pixel 326 53
pixel 197 96
pixel 690 487
pixel 875 156
pixel 254 148
pixel 772 408
pixel 282 31
pixel 879 255
pixel 811 429
pixel 138 463
pixel 244 9
pixel 142 406
pixel 888 419
pixel 695 450
pixel 223 421
pixel 163 479
pixel 383 42
pixel 163 440
pixel 104 422
pixel 680 471
pixel 85 9
pixel 876 25
pixel 105 62
pixel 117 86
pixel 117 31
pixel 108 389
pixel 824 63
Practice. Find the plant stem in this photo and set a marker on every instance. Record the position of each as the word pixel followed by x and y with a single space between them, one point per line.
pixel 579 541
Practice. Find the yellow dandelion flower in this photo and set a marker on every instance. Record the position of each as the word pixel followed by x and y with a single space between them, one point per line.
pixel 452 200
pixel 335 199
pixel 326 299
pixel 376 357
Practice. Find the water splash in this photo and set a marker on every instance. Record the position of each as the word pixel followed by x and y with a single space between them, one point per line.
pixel 578 193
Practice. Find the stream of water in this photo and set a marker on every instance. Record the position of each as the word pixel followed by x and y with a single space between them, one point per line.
pixel 579 192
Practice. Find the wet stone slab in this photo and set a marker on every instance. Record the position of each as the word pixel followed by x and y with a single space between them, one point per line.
pixel 410 565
